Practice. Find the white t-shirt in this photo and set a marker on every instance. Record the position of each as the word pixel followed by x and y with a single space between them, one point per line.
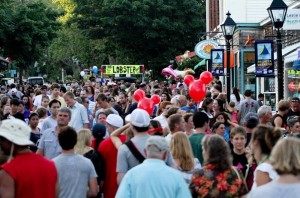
pixel 168 138
pixel 38 100
pixel 267 168
pixel 276 190
pixel 162 120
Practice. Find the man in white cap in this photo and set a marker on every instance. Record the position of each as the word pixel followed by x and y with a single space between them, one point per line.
pixel 109 152
pixel 113 122
pixel 132 155
pixel 153 178
pixel 25 173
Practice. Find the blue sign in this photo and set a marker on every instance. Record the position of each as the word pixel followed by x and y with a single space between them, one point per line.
pixel 264 58
pixel 217 62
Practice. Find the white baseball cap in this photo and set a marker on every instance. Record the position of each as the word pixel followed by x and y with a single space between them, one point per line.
pixel 16 131
pixel 114 120
pixel 140 118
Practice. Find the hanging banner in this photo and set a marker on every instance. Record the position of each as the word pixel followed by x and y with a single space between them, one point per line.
pixel 292 20
pixel 203 48
pixel 264 58
pixel 217 62
pixel 122 69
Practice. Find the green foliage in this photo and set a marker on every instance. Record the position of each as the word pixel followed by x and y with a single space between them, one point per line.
pixel 28 29
pixel 142 30
pixel 189 63
pixel 67 6
pixel 73 51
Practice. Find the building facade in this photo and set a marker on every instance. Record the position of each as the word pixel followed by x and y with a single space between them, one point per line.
pixel 253 23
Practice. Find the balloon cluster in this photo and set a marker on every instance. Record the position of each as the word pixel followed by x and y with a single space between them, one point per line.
pixel 197 88
pixel 146 103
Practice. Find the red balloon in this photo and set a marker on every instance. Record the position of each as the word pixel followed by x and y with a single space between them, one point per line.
pixel 188 79
pixel 155 98
pixel 197 90
pixel 139 94
pixel 146 104
pixel 206 77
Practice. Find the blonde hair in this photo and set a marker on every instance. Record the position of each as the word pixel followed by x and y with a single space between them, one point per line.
pixel 181 150
pixel 285 157
pixel 83 140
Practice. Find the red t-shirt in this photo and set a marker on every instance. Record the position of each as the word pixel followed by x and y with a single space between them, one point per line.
pixel 110 153
pixel 34 175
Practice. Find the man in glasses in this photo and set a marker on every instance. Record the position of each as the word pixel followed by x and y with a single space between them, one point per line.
pixel 294 107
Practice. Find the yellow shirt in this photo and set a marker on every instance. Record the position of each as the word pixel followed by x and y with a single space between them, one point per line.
pixel 61 100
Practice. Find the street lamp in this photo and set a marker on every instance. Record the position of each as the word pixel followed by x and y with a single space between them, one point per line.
pixel 277 12
pixel 228 28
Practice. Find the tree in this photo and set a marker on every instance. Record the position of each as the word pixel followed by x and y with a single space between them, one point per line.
pixel 142 30
pixel 32 27
pixel 67 6
pixel 73 51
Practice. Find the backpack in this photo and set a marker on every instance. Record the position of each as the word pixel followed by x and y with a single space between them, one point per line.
pixel 98 162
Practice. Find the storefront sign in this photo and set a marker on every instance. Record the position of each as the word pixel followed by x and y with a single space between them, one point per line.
pixel 264 58
pixel 122 69
pixel 217 62
pixel 293 73
pixel 292 20
pixel 203 48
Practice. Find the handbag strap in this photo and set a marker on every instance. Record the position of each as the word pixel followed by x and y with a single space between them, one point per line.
pixel 237 173
pixel 135 152
pixel 239 176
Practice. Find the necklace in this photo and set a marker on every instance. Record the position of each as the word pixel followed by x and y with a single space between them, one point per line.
pixel 264 159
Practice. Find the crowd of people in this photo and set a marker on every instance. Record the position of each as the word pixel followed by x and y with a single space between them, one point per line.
pixel 91 140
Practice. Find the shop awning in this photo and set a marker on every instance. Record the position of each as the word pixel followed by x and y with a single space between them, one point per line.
pixel 292 57
pixel 296 65
pixel 286 52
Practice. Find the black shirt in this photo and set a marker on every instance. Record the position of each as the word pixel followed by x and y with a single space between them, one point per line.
pixel 18 115
pixel 292 113
pixel 240 161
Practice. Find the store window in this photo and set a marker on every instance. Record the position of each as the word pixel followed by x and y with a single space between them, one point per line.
pixel 293 83
pixel 250 80
pixel 268 89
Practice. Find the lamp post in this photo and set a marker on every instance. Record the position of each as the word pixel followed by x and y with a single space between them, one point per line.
pixel 277 12
pixel 228 28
